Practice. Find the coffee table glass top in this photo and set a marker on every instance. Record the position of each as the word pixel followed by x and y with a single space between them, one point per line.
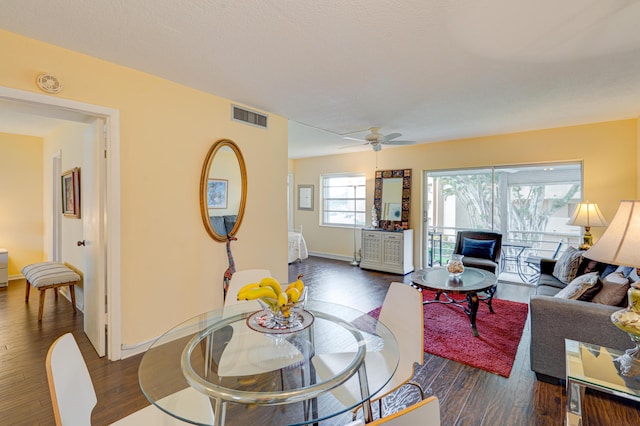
pixel 594 366
pixel 438 279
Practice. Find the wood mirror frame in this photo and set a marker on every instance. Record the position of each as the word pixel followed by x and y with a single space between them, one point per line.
pixel 228 181
pixel 404 198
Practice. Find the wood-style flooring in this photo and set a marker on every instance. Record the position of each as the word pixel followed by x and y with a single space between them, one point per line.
pixel 468 396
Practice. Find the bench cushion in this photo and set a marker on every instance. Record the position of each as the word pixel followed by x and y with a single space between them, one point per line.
pixel 49 273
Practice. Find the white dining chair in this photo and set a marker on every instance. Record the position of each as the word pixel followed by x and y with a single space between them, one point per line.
pixel 402 313
pixel 245 354
pixel 73 396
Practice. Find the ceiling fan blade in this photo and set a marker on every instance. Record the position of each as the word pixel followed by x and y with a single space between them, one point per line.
pixel 351 146
pixel 399 142
pixel 390 136
pixel 354 139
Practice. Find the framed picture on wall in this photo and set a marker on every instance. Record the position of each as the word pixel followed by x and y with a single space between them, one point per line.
pixel 217 193
pixel 305 197
pixel 71 193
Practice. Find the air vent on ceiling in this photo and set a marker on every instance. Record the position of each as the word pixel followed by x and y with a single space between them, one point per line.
pixel 249 117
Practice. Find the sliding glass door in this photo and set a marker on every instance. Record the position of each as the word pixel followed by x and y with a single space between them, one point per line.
pixel 528 204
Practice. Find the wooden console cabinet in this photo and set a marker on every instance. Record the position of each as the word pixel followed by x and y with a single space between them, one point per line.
pixel 387 251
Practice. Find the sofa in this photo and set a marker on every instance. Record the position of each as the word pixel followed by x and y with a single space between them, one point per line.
pixel 554 319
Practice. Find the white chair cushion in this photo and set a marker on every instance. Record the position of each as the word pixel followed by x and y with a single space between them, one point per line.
pixel 48 273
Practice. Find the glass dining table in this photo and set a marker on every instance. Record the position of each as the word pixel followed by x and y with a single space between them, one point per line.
pixel 267 376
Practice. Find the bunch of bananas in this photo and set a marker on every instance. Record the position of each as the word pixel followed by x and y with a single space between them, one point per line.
pixel 269 291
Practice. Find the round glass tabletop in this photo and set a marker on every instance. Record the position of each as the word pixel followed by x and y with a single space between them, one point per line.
pixel 251 376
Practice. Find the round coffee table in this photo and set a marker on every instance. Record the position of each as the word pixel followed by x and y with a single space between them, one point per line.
pixel 470 283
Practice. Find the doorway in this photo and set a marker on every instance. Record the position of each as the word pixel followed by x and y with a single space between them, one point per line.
pixel 108 280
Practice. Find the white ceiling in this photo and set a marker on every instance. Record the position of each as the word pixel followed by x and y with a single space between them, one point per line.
pixel 430 69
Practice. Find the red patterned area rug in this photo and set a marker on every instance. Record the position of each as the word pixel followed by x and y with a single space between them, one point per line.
pixel 447 333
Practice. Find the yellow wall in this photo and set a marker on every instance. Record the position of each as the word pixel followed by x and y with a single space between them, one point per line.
pixel 21 209
pixel 171 269
pixel 608 151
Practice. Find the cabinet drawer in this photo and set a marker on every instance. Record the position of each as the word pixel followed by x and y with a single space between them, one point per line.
pixel 393 237
pixel 371 234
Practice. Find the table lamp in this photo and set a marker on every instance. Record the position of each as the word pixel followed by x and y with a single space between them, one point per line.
pixel 620 245
pixel 587 214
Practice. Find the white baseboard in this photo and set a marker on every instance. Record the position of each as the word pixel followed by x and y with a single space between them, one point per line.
pixel 331 256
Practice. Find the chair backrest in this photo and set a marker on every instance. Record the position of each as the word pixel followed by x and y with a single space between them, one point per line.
pixel 72 394
pixel 424 413
pixel 402 312
pixel 480 235
pixel 232 305
pixel 557 251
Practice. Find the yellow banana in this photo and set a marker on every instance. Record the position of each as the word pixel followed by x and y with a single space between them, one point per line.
pixel 272 283
pixel 283 299
pixel 298 284
pixel 294 294
pixel 246 288
pixel 260 293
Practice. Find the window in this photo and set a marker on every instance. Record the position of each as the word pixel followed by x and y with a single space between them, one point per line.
pixel 528 204
pixel 343 199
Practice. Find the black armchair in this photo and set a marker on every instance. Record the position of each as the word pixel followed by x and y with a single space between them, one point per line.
pixel 480 249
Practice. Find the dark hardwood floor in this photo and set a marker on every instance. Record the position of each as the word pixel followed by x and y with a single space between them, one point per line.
pixel 468 396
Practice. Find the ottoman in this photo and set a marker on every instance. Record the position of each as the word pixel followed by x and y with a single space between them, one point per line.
pixel 46 275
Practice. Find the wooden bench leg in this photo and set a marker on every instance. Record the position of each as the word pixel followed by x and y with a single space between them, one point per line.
pixel 41 305
pixel 26 292
pixel 72 290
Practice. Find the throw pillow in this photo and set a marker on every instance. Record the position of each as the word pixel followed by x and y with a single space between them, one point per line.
pixel 478 248
pixel 566 267
pixel 614 290
pixel 588 265
pixel 578 286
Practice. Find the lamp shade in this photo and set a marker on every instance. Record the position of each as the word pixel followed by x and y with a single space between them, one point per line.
pixel 587 214
pixel 620 243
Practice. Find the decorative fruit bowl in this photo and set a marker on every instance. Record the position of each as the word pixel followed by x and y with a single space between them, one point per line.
pixel 282 309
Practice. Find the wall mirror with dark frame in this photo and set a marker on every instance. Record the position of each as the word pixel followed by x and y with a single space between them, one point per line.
pixel 223 190
pixel 392 198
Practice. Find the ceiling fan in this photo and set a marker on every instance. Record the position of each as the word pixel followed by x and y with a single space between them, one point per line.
pixel 377 139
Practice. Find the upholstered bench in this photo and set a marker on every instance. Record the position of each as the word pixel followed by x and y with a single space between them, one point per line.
pixel 46 275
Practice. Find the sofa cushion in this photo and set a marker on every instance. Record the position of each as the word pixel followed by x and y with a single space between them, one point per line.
pixel 567 266
pixel 579 286
pixel 614 290
pixel 478 248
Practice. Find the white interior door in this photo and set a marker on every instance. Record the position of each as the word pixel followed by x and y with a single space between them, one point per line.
pixel 92 177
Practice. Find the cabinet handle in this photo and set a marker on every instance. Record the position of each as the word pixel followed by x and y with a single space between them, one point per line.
pixel 81 243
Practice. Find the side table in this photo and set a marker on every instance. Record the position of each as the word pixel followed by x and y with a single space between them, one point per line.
pixel 592 366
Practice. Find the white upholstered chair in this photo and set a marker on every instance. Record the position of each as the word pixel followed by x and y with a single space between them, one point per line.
pixel 244 354
pixel 402 313
pixel 73 396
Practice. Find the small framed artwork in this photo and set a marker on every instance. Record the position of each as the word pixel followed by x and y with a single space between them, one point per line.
pixel 305 197
pixel 217 193
pixel 71 193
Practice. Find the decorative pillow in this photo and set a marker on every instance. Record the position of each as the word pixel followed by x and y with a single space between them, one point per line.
pixel 566 267
pixel 578 286
pixel 588 265
pixel 478 248
pixel 591 292
pixel 218 224
pixel 614 290
pixel 229 223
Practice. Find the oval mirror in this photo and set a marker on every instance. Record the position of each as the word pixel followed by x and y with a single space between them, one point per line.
pixel 223 190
